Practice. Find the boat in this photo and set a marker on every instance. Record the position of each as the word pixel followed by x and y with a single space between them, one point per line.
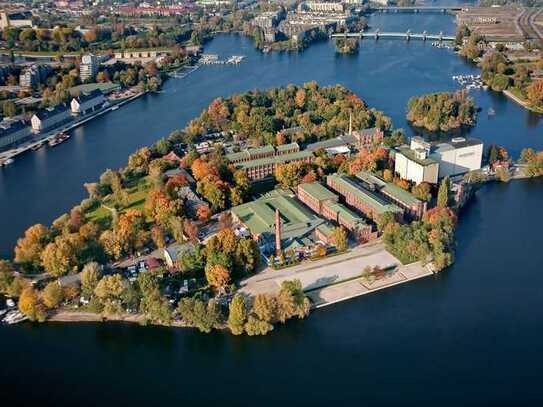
pixel 59 138
pixel 491 111
pixel 115 107
pixel 8 162
pixel 38 146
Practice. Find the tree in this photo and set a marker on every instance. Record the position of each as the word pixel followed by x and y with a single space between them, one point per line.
pixel 9 108
pixel 156 307
pixel 340 238
pixel 291 301
pixel 384 219
pixel 90 276
pixel 265 307
pixel 534 92
pixel 422 191
pixel 443 193
pixel 61 256
pixel 388 176
pixel 237 314
pixel 217 276
pixel 30 305
pixel 29 248
pixel 6 275
pixel 52 295
pixel 225 220
pixel 191 230
pixel 255 326
pixel 203 213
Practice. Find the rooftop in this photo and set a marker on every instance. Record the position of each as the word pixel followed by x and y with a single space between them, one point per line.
pixel 372 199
pixel 345 213
pixel 318 191
pixel 410 154
pixel 279 159
pixel 390 188
pixel 259 215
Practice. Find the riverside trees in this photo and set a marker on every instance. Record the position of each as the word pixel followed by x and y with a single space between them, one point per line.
pixel 441 111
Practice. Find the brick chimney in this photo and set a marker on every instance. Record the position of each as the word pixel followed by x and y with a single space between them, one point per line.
pixel 277 232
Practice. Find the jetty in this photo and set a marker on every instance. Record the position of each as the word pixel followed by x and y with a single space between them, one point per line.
pixel 213 59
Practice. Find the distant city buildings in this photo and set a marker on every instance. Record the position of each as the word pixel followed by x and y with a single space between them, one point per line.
pixel 16 19
pixel 35 75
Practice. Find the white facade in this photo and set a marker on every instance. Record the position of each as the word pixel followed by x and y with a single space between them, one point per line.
pixel 415 170
pixel 458 156
pixel 88 67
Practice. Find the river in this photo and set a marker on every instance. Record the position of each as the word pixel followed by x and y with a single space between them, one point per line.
pixel 468 336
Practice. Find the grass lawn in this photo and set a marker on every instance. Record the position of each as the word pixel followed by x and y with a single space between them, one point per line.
pixel 137 192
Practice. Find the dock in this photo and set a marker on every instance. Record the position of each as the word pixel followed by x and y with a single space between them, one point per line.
pixel 213 59
pixel 40 139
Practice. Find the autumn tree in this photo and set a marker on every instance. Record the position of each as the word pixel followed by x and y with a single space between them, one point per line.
pixel 265 307
pixel 422 191
pixel 191 230
pixel 340 238
pixel 534 92
pixel 60 257
pixel 52 295
pixel 237 314
pixel 291 301
pixel 30 305
pixel 109 291
pixel 203 213
pixel 6 275
pixel 29 248
pixel 217 276
pixel 90 276
pixel 255 326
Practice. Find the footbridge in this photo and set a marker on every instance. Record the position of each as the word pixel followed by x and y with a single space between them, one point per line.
pixel 408 35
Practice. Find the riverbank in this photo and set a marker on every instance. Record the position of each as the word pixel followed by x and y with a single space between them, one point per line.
pixel 522 102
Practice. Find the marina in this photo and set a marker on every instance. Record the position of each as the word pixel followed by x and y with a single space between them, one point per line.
pixel 469 81
pixel 213 59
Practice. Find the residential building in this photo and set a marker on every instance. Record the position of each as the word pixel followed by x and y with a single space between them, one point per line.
pixel 297 228
pixel 34 75
pixel 370 203
pixel 13 132
pixel 46 119
pixel 414 208
pixel 16 19
pixel 88 67
pixel 455 157
pixel 87 102
pixel 415 166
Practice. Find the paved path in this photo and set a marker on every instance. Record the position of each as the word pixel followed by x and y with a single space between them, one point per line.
pixel 316 274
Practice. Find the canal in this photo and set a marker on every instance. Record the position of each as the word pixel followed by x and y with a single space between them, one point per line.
pixel 469 336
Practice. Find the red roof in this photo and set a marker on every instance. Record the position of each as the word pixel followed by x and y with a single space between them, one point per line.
pixel 153 263
pixel 171 156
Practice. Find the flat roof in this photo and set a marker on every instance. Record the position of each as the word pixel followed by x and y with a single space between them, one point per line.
pixel 259 215
pixel 392 189
pixel 318 191
pixel 346 213
pixel 410 154
pixel 287 147
pixel 376 202
pixel 276 159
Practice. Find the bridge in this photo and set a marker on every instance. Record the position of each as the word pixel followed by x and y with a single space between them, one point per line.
pixel 408 35
pixel 416 9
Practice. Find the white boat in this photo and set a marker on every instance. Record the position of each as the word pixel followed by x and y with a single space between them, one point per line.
pixel 115 107
pixel 8 162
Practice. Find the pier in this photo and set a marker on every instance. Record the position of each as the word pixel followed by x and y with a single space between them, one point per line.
pixel 408 35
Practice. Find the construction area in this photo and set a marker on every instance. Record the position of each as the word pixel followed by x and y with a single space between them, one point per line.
pixel 503 24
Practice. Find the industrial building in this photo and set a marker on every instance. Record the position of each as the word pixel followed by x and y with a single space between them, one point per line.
pixel 414 208
pixel 370 203
pixel 278 221
pixel 356 139
pixel 16 19
pixel 46 119
pixel 87 102
pixel 326 203
pixel 427 162
pixel 262 152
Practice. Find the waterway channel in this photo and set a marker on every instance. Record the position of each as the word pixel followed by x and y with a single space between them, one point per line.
pixel 469 336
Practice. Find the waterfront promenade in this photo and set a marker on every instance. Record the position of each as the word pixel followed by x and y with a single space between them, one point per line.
pixel 338 278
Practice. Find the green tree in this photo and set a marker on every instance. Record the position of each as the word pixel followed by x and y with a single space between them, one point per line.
pixel 9 108
pixel 443 193
pixel 6 275
pixel 237 314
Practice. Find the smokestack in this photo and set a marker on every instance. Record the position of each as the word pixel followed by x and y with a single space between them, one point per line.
pixel 350 124
pixel 277 232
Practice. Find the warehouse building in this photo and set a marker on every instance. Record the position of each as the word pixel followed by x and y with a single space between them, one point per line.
pixel 265 167
pixel 370 203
